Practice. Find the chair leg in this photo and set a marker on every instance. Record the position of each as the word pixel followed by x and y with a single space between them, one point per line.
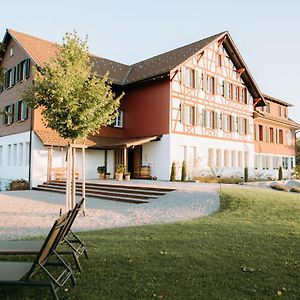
pixel 53 291
pixel 86 254
pixel 76 259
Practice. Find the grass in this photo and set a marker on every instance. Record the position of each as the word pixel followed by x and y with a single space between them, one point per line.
pixel 247 250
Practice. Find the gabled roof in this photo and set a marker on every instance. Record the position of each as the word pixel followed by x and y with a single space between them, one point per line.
pixel 277 100
pixel 121 74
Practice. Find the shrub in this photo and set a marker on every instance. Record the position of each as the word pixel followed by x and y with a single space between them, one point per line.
pixel 183 171
pixel 280 173
pixel 173 172
pixel 246 177
pixel 101 169
pixel 279 187
pixel 213 179
pixel 297 171
pixel 295 189
pixel 19 184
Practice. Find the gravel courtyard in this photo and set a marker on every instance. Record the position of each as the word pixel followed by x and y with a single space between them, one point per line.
pixel 31 213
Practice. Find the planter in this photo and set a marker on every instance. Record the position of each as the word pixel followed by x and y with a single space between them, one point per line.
pixel 119 176
pixel 107 176
pixel 101 176
pixel 127 176
pixel 145 172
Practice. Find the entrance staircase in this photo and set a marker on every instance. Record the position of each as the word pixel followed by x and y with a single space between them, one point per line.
pixel 123 193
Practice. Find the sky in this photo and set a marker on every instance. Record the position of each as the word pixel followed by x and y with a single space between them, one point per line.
pixel 266 32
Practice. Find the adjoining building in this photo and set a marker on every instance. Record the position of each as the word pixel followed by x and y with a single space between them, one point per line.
pixel 197 103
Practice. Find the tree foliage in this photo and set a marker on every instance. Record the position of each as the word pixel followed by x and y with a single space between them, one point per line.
pixel 173 172
pixel 183 171
pixel 298 152
pixel 74 101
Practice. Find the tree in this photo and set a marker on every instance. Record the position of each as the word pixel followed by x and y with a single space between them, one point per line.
pixel 183 171
pixel 298 151
pixel 173 172
pixel 74 101
pixel 280 175
pixel 246 174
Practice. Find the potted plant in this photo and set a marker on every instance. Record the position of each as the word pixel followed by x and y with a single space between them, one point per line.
pixel 101 170
pixel 107 175
pixel 127 176
pixel 119 172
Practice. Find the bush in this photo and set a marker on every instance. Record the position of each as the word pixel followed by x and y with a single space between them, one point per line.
pixel 213 179
pixel 173 172
pixel 246 176
pixel 183 171
pixel 19 184
pixel 280 173
pixel 295 189
pixel 297 171
pixel 279 187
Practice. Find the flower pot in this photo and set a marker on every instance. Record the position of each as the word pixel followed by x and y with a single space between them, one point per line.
pixel 101 176
pixel 127 176
pixel 107 176
pixel 119 176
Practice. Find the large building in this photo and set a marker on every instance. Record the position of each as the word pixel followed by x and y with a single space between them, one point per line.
pixel 197 103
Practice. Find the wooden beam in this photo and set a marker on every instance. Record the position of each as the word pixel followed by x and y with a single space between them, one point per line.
pixel 221 41
pixel 174 74
pixel 198 56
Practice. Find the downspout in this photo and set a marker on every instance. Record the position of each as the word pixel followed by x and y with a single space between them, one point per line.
pixel 30 149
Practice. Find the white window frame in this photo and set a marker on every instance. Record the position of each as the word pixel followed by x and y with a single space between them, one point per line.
pixel 119 121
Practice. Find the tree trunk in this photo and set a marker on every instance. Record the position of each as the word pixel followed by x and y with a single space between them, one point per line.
pixel 73 197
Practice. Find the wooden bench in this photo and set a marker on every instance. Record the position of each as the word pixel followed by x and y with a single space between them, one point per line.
pixel 61 173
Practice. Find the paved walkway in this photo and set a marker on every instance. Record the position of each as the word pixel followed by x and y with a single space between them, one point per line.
pixel 31 213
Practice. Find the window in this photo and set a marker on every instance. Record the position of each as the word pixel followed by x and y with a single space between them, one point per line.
pixel 226 158
pixel 244 126
pixel 9 78
pixel 210 119
pixel 210 160
pixel 279 110
pixel 268 107
pixel 219 60
pixel 189 114
pixel 240 159
pixel 219 158
pixel 271 135
pixel 233 158
pixel 21 111
pixel 227 122
pixel 119 120
pixel 285 162
pixel 14 155
pixel 260 133
pixel 244 96
pixel 280 136
pixel 210 84
pixel 9 155
pixel 267 162
pixel 21 71
pixel 26 153
pixel 236 95
pixel 189 77
pixel 256 162
pixel 229 90
pixel 292 163
pixel 8 116
pixel 11 51
pixel 285 112
pixel 21 159
pixel 246 159
pixel 275 162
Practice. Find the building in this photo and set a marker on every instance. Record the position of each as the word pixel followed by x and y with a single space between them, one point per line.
pixel 197 103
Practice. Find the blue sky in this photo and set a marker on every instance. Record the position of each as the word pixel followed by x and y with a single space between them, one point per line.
pixel 266 32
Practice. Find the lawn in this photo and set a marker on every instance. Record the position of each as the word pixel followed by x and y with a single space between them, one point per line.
pixel 250 249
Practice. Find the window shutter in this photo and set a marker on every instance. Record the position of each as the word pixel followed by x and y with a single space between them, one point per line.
pixel 238 121
pixel 17 111
pixel 27 62
pixel 216 120
pixel 197 79
pixel 13 74
pixel 18 72
pixel 181 75
pixel 247 97
pixel 204 118
pixel 6 80
pixel 267 134
pixel 215 85
pixel 24 111
pixel 204 82
pixel 233 123
pixel 247 126
pixel 3 117
pixel 196 116
pixel 221 125
pixel 225 95
pixel 182 113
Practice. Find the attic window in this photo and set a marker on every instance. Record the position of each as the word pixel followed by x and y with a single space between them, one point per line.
pixel 11 51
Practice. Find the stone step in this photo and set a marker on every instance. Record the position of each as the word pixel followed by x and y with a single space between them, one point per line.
pixel 111 192
pixel 103 197
pixel 122 189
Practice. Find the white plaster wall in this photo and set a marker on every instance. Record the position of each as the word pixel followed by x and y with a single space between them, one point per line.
pixel 17 166
pixel 157 155
pixel 195 151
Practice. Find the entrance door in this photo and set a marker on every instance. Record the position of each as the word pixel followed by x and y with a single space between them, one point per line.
pixel 134 161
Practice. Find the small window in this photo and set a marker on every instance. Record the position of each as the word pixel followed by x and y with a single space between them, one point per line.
pixel 229 90
pixel 119 120
pixel 243 95
pixel 260 133
pixel 11 51
pixel 236 95
pixel 219 60
pixel 271 135
pixel 279 110
pixel 268 107
pixel 210 84
pixel 280 136
pixel 189 79
pixel 210 119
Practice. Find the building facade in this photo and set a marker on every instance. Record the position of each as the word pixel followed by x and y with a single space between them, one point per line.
pixel 197 103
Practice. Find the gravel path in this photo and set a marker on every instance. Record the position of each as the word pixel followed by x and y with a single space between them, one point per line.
pixel 31 213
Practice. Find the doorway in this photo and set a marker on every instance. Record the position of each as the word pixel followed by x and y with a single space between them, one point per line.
pixel 134 161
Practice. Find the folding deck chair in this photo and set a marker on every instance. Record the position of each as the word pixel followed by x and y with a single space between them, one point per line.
pixel 66 237
pixel 16 273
